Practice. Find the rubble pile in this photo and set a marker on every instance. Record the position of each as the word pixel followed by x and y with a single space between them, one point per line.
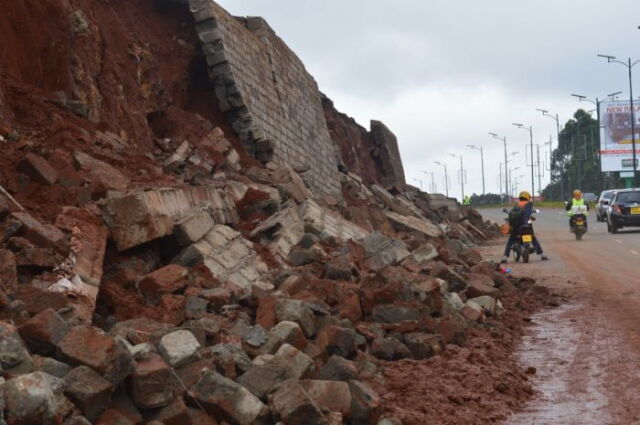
pixel 236 297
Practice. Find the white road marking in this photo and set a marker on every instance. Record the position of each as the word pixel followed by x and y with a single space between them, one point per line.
pixel 634 252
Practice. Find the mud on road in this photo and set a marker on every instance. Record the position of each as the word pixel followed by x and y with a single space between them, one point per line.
pixel 586 352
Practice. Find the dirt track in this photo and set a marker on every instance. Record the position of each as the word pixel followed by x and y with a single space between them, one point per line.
pixel 587 352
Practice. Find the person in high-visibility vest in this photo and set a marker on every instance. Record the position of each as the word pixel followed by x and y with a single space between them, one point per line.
pixel 576 206
pixel 466 201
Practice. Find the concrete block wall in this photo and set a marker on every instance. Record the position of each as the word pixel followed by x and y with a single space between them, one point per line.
pixel 273 103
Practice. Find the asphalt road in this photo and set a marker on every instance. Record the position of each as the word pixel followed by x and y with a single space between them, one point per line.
pixel 587 352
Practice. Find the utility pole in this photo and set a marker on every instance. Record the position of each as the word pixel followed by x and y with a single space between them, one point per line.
pixel 533 184
pixel 500 180
pixel 481 163
pixel 560 167
pixel 539 172
pixel 461 175
pixel 433 183
pixel 446 177
pixel 504 140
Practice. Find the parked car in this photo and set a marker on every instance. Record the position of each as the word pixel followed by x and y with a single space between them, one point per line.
pixel 603 204
pixel 624 210
pixel 589 197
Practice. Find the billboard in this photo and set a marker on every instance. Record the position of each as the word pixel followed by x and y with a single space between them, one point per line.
pixel 615 135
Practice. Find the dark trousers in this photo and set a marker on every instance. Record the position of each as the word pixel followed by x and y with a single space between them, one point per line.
pixel 515 233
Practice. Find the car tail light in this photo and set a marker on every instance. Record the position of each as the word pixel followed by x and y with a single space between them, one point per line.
pixel 616 208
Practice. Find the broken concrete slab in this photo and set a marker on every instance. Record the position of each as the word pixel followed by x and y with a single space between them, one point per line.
pixel 41 234
pixel 140 217
pixel 413 224
pixel 293 405
pixel 230 258
pixel 382 251
pixel 29 399
pixel 88 390
pixel 193 227
pixel 102 172
pixel 38 169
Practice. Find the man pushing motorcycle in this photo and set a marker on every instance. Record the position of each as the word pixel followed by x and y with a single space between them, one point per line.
pixel 520 215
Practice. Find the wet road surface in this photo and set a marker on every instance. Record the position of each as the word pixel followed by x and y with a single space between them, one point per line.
pixel 587 352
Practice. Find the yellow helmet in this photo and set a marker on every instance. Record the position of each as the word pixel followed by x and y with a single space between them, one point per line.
pixel 577 193
pixel 526 195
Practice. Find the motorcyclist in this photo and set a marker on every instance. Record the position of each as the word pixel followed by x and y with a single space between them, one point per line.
pixel 574 205
pixel 526 206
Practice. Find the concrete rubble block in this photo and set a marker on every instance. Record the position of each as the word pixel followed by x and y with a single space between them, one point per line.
pixel 166 280
pixel 337 368
pixel 26 254
pixel 394 203
pixel 41 234
pixel 366 406
pixel 148 384
pixel 175 413
pixel 301 256
pixel 193 227
pixel 486 302
pixel 285 332
pixel 471 256
pixel 389 349
pixel 275 310
pixel 144 216
pixel 339 268
pixel 90 346
pixel 229 257
pixel 8 272
pixel 179 348
pixel 44 331
pixel 382 251
pixel 291 184
pixel 293 405
pixel 50 366
pixel 102 172
pixel 113 417
pixel 325 221
pixel 262 378
pixel 88 390
pixel 479 285
pixel 89 243
pixel 472 312
pixel 298 363
pixel 424 253
pixel 198 417
pixel 456 283
pixel 330 396
pixel 178 157
pixel 337 340
pixel 228 400
pixel 30 399
pixel 230 354
pixel 14 357
pixel 422 345
pixel 38 169
pixel 414 224
pixel 280 232
pixel 389 313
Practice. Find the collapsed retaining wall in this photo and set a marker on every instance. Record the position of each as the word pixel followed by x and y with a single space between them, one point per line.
pixel 273 103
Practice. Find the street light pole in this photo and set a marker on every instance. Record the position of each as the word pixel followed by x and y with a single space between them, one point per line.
pixel 446 177
pixel 461 174
pixel 629 66
pixel 504 140
pixel 533 182
pixel 433 183
pixel 481 162
pixel 561 164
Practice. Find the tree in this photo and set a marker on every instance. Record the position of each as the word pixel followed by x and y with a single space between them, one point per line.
pixel 576 160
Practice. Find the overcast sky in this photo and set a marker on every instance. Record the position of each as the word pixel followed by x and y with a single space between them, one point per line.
pixel 442 74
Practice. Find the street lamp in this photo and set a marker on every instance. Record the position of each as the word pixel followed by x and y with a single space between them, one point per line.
pixel 433 182
pixel 504 140
pixel 629 65
pixel 530 129
pixel 481 162
pixel 446 178
pixel 461 174
pixel 557 120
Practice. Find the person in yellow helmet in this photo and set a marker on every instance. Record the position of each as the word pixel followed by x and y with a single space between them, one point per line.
pixel 521 214
pixel 576 205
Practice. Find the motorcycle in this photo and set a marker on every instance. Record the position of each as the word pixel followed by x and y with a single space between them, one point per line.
pixel 523 245
pixel 578 221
